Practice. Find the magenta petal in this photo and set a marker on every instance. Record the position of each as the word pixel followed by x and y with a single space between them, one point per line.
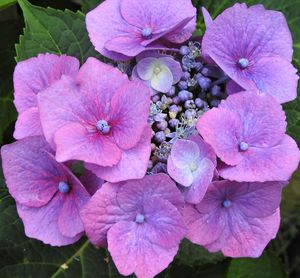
pixel 263 118
pixel 28 124
pixel 74 141
pixel 133 163
pixel 101 212
pixel 150 246
pixel 233 88
pixel 41 223
pixel 32 174
pixel 265 164
pixel 207 17
pixel 69 221
pixel 129 113
pixel 36 74
pixel 222 129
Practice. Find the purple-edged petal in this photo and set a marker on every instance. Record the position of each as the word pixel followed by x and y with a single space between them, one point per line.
pixel 41 223
pixel 233 88
pixel 32 174
pixel 207 17
pixel 263 118
pixel 147 248
pixel 145 68
pixel 74 142
pixel 101 212
pixel 28 124
pixel 132 165
pixel 36 74
pixel 265 164
pixel 90 181
pixel 222 129
pixel 174 67
pixel 202 178
pixel 267 75
pixel 69 221
pixel 129 113
pixel 163 81
pixel 131 195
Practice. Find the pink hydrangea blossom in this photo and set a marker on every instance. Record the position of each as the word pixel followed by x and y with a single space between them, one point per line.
pixel 238 219
pixel 192 163
pixel 254 48
pixel 129 27
pixel 48 196
pixel 30 78
pixel 140 221
pixel 247 132
pixel 98 118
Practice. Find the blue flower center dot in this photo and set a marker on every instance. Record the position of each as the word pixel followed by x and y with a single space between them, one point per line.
pixel 226 203
pixel 244 146
pixel 63 187
pixel 139 218
pixel 146 33
pixel 243 63
pixel 103 126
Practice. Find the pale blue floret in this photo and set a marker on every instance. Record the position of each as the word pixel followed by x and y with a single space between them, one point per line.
pixel 244 146
pixel 147 32
pixel 139 218
pixel 226 203
pixel 63 187
pixel 103 126
pixel 243 62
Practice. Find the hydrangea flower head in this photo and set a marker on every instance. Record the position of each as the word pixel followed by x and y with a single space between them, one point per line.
pixel 140 222
pixel 30 78
pixel 238 219
pixel 192 163
pixel 247 132
pixel 254 48
pixel 129 27
pixel 160 72
pixel 97 117
pixel 48 196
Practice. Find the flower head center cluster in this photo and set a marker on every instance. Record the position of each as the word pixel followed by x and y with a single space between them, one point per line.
pixel 103 126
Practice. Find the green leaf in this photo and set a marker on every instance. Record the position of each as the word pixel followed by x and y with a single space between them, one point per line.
pixel 194 255
pixel 90 4
pixel 53 31
pixel 9 31
pixel 267 266
pixel 6 3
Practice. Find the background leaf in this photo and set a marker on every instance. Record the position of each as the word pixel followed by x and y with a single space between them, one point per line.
pixel 267 266
pixel 6 3
pixel 53 31
pixel 90 4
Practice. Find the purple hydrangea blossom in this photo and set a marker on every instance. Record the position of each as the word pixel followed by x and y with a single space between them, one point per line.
pixel 247 132
pixel 30 78
pixel 254 47
pixel 97 117
pixel 129 27
pixel 192 163
pixel 160 72
pixel 48 196
pixel 238 219
pixel 140 222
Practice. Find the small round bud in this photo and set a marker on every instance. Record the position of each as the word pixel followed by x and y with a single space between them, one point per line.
pixel 199 102
pixel 183 85
pixel 159 137
pixel 162 125
pixel 171 92
pixel 215 102
pixel 183 95
pixel 184 50
pixel 173 123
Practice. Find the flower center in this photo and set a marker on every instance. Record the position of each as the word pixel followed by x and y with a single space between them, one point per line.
pixel 63 187
pixel 103 126
pixel 226 203
pixel 146 33
pixel 243 146
pixel 157 70
pixel 140 218
pixel 193 166
pixel 243 63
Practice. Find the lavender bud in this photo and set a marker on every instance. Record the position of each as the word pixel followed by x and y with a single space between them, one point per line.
pixel 186 75
pixel 215 102
pixel 199 102
pixel 204 82
pixel 159 137
pixel 182 85
pixel 215 91
pixel 155 98
pixel 162 125
pixel 190 114
pixel 198 66
pixel 191 95
pixel 183 95
pixel 171 92
pixel 189 104
pixel 176 100
pixel 174 108
pixel 184 50
pixel 173 123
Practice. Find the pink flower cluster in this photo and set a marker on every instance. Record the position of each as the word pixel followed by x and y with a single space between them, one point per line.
pixel 220 183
